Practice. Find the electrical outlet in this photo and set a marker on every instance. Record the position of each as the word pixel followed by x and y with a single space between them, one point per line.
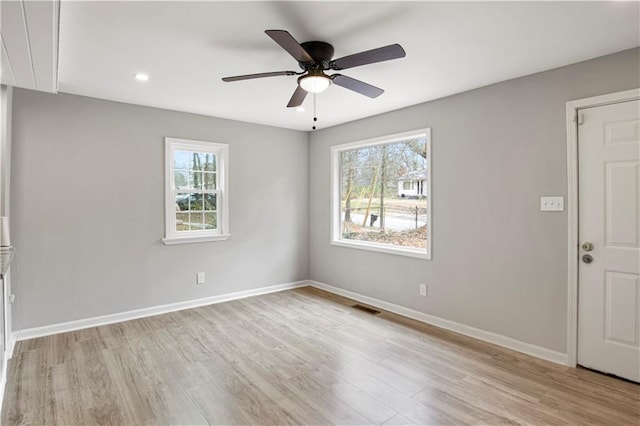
pixel 423 289
pixel 552 204
pixel 200 278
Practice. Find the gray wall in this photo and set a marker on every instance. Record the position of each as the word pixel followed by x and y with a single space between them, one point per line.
pixel 88 193
pixel 499 263
pixel 88 209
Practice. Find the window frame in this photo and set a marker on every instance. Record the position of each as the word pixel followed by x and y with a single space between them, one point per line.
pixel 336 183
pixel 221 151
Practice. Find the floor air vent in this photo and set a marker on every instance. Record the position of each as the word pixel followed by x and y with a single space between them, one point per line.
pixel 366 309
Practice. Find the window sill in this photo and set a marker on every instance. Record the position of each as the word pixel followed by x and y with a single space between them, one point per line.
pixel 382 249
pixel 191 240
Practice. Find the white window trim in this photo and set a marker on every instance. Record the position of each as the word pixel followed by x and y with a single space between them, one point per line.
pixel 336 239
pixel 222 151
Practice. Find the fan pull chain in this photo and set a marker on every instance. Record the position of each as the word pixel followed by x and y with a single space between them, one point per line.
pixel 315 115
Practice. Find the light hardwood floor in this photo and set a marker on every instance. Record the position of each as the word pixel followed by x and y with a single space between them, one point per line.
pixel 297 357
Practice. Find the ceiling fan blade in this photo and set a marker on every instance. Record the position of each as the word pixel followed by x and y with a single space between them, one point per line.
pixel 259 75
pixel 297 98
pixel 357 85
pixel 386 53
pixel 288 43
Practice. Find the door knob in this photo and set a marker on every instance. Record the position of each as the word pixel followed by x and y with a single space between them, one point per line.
pixel 587 258
pixel 587 246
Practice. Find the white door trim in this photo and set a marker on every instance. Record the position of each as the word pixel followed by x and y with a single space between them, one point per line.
pixel 572 207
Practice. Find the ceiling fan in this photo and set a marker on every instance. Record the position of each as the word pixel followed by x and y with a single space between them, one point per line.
pixel 315 57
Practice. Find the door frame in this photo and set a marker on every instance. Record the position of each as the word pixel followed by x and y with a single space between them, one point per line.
pixel 572 109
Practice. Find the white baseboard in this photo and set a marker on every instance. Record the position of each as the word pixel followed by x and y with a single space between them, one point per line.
pixel 47 330
pixel 11 345
pixel 8 354
pixel 3 382
pixel 487 336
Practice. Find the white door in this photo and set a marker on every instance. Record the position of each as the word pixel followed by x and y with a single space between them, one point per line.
pixel 609 220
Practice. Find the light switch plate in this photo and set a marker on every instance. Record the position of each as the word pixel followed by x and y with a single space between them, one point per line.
pixel 552 204
pixel 423 289
pixel 200 278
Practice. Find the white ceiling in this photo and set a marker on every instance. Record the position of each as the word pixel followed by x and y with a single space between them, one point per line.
pixel 187 47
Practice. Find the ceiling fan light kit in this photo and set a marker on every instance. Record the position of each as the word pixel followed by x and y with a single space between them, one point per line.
pixel 315 57
pixel 315 81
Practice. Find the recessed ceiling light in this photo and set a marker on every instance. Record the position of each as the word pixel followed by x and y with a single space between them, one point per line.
pixel 300 109
pixel 142 76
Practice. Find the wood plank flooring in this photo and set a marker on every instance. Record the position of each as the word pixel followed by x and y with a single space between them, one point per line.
pixel 297 357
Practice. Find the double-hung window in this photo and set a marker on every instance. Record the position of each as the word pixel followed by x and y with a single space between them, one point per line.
pixel 381 194
pixel 196 193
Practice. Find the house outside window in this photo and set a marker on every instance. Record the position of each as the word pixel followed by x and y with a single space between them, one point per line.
pixel 381 194
pixel 412 184
pixel 196 191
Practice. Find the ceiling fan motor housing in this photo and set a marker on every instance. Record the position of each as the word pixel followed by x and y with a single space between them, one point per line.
pixel 321 53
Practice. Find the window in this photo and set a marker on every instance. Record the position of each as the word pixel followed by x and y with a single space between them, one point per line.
pixel 196 191
pixel 381 194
